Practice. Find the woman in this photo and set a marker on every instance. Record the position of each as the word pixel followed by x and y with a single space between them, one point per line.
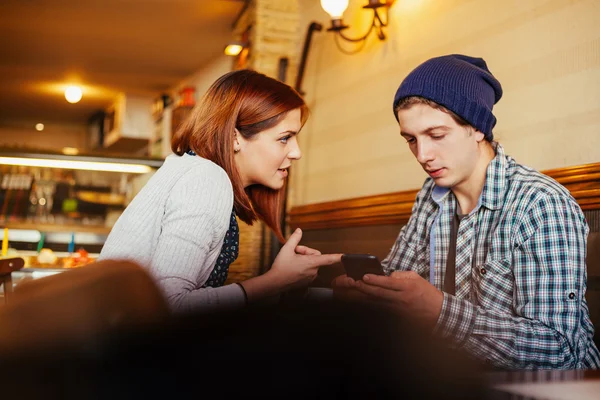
pixel 231 158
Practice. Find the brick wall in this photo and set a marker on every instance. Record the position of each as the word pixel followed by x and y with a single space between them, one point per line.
pixel 274 33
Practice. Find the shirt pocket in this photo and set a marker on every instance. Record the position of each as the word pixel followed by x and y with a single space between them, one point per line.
pixel 493 285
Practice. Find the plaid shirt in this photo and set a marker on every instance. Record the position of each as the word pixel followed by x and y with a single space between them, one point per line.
pixel 521 279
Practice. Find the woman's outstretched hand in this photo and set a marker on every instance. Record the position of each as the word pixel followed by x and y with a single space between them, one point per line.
pixel 297 265
pixel 294 266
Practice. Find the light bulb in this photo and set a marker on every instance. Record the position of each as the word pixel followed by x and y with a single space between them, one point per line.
pixel 73 94
pixel 70 151
pixel 233 49
pixel 39 127
pixel 335 8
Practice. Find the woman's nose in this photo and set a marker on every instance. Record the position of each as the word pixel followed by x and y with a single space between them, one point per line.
pixel 295 152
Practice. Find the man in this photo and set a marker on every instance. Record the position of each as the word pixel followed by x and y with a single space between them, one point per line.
pixel 493 256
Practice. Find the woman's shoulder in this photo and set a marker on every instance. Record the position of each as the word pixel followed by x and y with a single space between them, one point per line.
pixel 198 169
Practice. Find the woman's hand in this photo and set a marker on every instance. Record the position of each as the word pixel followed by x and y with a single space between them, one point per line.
pixel 298 265
pixel 294 266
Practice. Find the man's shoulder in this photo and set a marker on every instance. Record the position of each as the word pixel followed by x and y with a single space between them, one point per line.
pixel 524 181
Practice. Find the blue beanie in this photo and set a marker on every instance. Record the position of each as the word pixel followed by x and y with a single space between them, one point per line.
pixel 462 84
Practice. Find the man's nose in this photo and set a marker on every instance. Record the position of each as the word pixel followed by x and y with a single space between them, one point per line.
pixel 424 152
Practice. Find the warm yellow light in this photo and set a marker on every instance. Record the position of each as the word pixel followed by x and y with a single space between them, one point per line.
pixel 70 151
pixel 233 49
pixel 73 164
pixel 39 127
pixel 335 8
pixel 73 94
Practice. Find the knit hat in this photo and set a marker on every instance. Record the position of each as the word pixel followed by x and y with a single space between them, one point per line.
pixel 462 84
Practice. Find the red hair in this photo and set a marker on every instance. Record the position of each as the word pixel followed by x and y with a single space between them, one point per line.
pixel 251 103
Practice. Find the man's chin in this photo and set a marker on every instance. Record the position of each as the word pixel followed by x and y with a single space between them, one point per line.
pixel 443 183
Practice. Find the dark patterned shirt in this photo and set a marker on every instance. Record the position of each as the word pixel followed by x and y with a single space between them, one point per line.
pixel 229 253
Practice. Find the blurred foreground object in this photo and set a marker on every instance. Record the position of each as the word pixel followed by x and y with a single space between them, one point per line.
pixel 306 350
pixel 71 310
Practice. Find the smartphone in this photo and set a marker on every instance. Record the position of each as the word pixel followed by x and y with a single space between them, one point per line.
pixel 357 265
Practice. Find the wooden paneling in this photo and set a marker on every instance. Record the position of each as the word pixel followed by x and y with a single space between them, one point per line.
pixel 253 239
pixel 389 208
pixel 395 208
pixel 583 181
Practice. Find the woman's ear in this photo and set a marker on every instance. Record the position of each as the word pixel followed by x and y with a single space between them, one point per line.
pixel 237 136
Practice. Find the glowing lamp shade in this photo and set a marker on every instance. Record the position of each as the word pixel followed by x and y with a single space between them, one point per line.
pixel 335 8
pixel 233 49
pixel 73 94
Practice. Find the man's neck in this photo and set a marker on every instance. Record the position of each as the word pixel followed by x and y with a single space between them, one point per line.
pixel 467 193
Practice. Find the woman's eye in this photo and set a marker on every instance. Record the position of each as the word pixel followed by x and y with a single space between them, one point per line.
pixel 284 139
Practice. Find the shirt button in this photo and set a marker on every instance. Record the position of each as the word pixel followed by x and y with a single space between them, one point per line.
pixel 483 271
pixel 571 295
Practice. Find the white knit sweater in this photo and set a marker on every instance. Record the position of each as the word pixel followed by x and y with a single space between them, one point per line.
pixel 175 228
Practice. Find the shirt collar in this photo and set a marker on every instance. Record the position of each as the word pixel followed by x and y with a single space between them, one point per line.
pixel 492 195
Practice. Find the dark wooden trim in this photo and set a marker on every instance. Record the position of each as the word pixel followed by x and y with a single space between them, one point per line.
pixel 583 181
pixel 395 208
pixel 389 208
pixel 593 219
pixel 239 15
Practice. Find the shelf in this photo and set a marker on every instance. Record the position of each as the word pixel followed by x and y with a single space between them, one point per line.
pixel 97 229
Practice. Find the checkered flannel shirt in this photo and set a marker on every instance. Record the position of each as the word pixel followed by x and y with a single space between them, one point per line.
pixel 520 289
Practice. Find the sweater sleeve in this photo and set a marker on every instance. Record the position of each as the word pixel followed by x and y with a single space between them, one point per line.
pixel 196 217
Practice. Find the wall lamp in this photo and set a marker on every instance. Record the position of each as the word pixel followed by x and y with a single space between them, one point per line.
pixel 234 48
pixel 336 8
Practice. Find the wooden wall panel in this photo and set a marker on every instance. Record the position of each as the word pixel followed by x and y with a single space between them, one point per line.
pixel 395 208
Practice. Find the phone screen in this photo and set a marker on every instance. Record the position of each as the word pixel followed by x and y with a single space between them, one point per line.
pixel 358 265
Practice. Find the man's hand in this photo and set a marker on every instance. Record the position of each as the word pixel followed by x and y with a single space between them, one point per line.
pixel 407 293
pixel 295 266
pixel 344 288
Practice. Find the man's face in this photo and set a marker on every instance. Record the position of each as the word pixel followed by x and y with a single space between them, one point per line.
pixel 447 151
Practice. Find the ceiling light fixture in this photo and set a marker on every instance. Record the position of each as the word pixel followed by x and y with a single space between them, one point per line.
pixel 80 161
pixel 82 165
pixel 39 127
pixel 73 94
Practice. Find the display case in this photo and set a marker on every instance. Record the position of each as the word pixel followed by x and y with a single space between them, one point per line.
pixel 56 211
pixel 49 250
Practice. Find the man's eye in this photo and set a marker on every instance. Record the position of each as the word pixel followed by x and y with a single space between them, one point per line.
pixel 411 140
